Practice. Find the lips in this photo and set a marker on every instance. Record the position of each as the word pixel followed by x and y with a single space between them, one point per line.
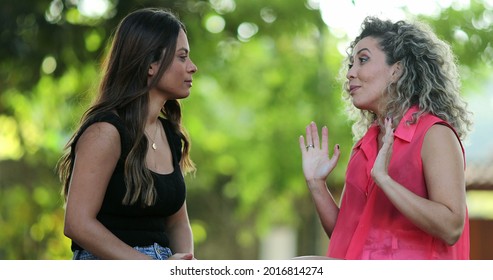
pixel 189 82
pixel 353 88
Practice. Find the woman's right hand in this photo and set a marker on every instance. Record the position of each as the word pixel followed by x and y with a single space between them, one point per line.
pixel 316 162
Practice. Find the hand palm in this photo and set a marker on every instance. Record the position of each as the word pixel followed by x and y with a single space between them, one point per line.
pixel 316 162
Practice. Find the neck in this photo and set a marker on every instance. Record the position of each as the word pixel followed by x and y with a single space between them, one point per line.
pixel 156 103
pixel 152 131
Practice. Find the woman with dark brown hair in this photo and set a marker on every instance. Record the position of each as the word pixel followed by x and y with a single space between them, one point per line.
pixel 124 166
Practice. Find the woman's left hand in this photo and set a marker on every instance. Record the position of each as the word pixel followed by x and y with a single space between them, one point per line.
pixel 381 165
pixel 182 256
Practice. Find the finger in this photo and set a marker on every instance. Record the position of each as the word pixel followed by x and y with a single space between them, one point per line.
pixel 315 137
pixel 337 153
pixel 325 138
pixel 183 256
pixel 388 125
pixel 302 144
pixel 389 132
pixel 309 135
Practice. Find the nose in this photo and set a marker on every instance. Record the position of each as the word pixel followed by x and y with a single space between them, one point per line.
pixel 192 68
pixel 351 73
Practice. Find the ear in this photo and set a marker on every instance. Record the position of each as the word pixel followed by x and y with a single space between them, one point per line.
pixel 153 68
pixel 396 71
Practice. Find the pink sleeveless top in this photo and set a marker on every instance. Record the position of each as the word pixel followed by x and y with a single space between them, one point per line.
pixel 368 225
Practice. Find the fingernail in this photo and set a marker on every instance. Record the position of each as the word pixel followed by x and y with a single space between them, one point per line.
pixel 337 146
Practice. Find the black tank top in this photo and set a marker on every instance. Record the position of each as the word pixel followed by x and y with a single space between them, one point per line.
pixel 138 225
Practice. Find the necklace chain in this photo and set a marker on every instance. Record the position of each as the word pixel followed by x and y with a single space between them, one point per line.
pixel 154 146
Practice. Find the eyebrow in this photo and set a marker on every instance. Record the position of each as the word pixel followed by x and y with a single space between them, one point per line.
pixel 363 49
pixel 183 49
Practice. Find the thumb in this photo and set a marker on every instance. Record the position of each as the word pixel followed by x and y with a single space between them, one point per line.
pixel 337 153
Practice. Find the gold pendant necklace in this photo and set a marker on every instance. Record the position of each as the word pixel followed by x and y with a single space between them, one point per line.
pixel 154 146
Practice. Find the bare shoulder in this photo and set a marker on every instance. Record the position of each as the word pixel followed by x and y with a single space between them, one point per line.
pixel 442 149
pixel 100 136
pixel 440 131
pixel 439 138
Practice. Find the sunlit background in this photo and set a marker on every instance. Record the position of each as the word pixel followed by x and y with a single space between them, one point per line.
pixel 266 69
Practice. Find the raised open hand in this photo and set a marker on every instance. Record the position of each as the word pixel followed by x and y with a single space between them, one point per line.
pixel 316 162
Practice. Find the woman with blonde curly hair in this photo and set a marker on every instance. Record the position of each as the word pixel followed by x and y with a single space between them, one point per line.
pixel 404 194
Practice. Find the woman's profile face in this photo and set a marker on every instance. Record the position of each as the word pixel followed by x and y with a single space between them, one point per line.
pixel 177 80
pixel 368 75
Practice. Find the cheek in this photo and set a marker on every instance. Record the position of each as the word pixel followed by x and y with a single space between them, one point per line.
pixel 166 83
pixel 173 75
pixel 379 78
pixel 169 77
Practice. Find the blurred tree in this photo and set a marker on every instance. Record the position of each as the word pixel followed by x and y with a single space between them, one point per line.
pixel 266 69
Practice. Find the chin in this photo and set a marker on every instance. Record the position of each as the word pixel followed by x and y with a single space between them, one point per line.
pixel 183 96
pixel 361 107
pixel 357 105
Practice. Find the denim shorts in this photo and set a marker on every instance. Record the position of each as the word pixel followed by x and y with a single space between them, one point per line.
pixel 156 252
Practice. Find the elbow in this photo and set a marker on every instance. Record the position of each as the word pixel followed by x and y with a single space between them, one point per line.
pixel 452 239
pixel 68 230
pixel 453 234
pixel 72 228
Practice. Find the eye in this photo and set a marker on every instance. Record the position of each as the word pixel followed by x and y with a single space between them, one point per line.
pixel 350 65
pixel 363 59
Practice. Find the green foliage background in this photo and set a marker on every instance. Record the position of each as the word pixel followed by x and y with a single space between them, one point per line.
pixel 251 100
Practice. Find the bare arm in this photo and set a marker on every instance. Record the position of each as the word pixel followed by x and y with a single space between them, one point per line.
pixel 97 153
pixel 443 213
pixel 317 165
pixel 180 234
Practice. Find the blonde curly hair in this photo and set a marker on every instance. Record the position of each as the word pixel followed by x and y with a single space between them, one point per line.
pixel 429 79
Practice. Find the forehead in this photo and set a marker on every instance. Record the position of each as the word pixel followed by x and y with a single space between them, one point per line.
pixel 182 41
pixel 370 43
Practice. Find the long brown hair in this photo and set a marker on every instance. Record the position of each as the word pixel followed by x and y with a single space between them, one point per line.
pixel 142 37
